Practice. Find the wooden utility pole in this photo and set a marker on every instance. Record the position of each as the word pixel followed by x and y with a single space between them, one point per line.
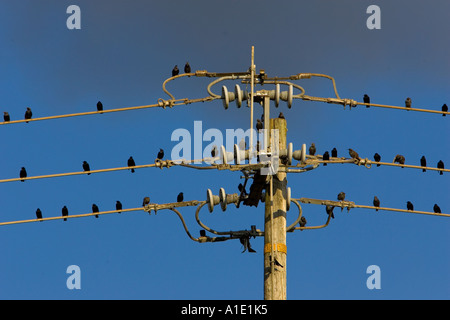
pixel 275 222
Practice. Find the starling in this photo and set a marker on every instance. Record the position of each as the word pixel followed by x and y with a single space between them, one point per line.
pixel 423 163
pixel 353 154
pixel 366 99
pixel 28 114
pixel 302 222
pixel 187 68
pixel 326 157
pixel 259 125
pixel 131 163
pixel 436 208
pixel 95 209
pixel 180 197
pixel 408 102
pixel 334 153
pixel 65 212
pixel 146 201
pixel 214 152
pixel 175 71
pixel 377 158
pixel 202 233
pixel 376 202
pixel 245 241
pixel 400 159
pixel 23 173
pixel 329 210
pixel 409 206
pixel 86 166
pixel 118 205
pixel 444 109
pixel 312 149
pixel 281 115
pixel 341 196
pixel 99 106
pixel 7 118
pixel 160 154
pixel 38 214
pixel 440 165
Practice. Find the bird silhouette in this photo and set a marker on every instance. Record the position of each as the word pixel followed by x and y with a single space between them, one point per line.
pixel 28 114
pixel 440 165
pixel 436 208
pixel 326 157
pixel 175 71
pixel 38 214
pixel 341 197
pixel 409 206
pixel 329 210
pixel 23 173
pixel 444 109
pixel 202 233
pixel 245 241
pixel 180 197
pixel 146 201
pixel 400 159
pixel 334 153
pixel 377 158
pixel 259 125
pixel 353 154
pixel 118 205
pixel 312 149
pixel 86 167
pixel 99 106
pixel 423 163
pixel 281 115
pixel 95 209
pixel 160 154
pixel 302 222
pixel 408 103
pixel 6 116
pixel 214 151
pixel 65 212
pixel 376 202
pixel 131 163
pixel 187 68
pixel 366 99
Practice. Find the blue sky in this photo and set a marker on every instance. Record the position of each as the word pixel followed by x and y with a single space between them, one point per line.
pixel 121 56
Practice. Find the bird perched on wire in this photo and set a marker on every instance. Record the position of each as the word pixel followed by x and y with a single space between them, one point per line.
pixel 175 71
pixel 353 154
pixel 312 149
pixel 99 106
pixel 423 163
pixel 377 158
pixel 160 154
pixel 436 208
pixel 202 233
pixel 302 222
pixel 440 165
pixel 366 99
pixel 65 212
pixel 38 214
pixel 180 197
pixel 444 109
pixel 281 115
pixel 118 205
pixel 214 151
pixel 28 114
pixel 376 202
pixel 326 157
pixel 409 206
pixel 187 68
pixel 245 241
pixel 329 209
pixel 400 159
pixel 408 102
pixel 86 167
pixel 23 173
pixel 146 201
pixel 259 125
pixel 341 197
pixel 7 118
pixel 334 153
pixel 131 163
pixel 95 209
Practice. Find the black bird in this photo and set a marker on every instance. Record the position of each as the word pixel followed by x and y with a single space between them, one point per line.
pixel 423 163
pixel 23 173
pixel 376 202
pixel 353 154
pixel 175 71
pixel 326 157
pixel 187 68
pixel 334 153
pixel 409 206
pixel 86 166
pixel 28 114
pixel 259 125
pixel 242 190
pixel 65 212
pixel 95 209
pixel 444 109
pixel 160 154
pixel 245 241
pixel 329 210
pixel 400 159
pixel 202 233
pixel 302 222
pixel 281 115
pixel 312 149
pixel 440 165
pixel 146 201
pixel 436 208
pixel 214 152
pixel 118 205
pixel 99 106
pixel 131 163
pixel 180 197
pixel 408 103
pixel 377 158
pixel 366 99
pixel 38 214
pixel 341 196
pixel 7 118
